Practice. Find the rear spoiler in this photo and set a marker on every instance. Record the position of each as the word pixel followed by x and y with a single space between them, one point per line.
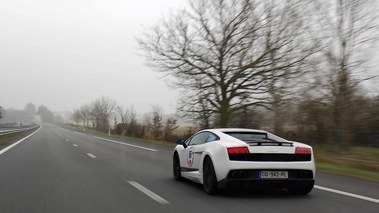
pixel 287 144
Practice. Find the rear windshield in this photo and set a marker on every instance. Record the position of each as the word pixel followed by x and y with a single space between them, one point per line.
pixel 255 136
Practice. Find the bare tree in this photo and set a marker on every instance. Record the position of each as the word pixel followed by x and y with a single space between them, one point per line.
pixel 45 114
pixel 169 127
pixel 102 110
pixel 146 125
pixel 85 112
pixel 122 114
pixel 76 116
pixel 132 125
pixel 349 33
pixel 197 108
pixel 156 121
pixel 30 112
pixel 221 50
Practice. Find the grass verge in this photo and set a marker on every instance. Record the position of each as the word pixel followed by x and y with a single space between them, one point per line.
pixel 346 171
pixel 8 139
pixel 359 162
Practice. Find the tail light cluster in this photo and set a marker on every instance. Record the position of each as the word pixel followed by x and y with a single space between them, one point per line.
pixel 238 150
pixel 303 151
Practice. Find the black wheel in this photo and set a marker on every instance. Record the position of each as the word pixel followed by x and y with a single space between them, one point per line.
pixel 176 167
pixel 209 177
pixel 303 190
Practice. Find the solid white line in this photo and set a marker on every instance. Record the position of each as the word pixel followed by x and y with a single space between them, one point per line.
pixel 127 144
pixel 347 194
pixel 80 133
pixel 14 144
pixel 74 145
pixel 91 155
pixel 149 193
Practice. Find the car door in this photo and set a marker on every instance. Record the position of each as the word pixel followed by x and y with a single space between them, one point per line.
pixel 195 149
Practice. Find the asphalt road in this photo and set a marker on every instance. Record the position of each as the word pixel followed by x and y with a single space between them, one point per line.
pixel 57 170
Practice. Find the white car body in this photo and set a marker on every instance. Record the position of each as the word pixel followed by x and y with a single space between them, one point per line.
pixel 270 162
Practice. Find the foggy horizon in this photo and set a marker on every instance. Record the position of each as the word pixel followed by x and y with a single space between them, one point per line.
pixel 67 54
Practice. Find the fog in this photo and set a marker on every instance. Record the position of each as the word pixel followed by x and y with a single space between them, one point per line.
pixel 64 54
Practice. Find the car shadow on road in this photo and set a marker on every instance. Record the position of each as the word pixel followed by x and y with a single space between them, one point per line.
pixel 258 193
pixel 245 193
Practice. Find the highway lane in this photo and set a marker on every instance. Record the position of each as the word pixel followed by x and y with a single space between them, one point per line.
pixel 57 170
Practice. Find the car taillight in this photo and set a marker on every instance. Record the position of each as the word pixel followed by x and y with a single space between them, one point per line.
pixel 303 151
pixel 238 150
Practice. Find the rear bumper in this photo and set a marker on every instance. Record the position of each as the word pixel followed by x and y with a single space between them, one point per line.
pixel 265 184
pixel 249 179
pixel 224 166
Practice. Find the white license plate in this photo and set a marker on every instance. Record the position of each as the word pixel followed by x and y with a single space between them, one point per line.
pixel 273 174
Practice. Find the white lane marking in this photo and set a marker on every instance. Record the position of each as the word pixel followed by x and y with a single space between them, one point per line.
pixel 10 146
pixel 347 194
pixel 74 145
pixel 67 140
pixel 148 192
pixel 127 144
pixel 91 155
pixel 80 133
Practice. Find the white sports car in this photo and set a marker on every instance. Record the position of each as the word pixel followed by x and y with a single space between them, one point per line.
pixel 244 158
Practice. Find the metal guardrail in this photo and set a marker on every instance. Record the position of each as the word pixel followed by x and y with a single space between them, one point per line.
pixel 13 131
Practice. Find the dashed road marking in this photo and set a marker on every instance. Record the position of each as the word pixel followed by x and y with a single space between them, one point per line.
pixel 148 192
pixel 91 155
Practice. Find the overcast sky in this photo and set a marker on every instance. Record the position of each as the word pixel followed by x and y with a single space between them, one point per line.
pixel 66 53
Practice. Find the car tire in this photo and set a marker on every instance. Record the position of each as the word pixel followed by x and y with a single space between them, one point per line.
pixel 209 177
pixel 176 167
pixel 300 190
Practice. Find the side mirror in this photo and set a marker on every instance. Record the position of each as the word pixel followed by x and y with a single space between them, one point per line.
pixel 181 142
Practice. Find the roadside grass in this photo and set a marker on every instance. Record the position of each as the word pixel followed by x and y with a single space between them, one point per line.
pixel 347 171
pixel 8 139
pixel 359 162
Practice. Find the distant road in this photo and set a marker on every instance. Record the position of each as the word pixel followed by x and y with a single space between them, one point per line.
pixel 57 170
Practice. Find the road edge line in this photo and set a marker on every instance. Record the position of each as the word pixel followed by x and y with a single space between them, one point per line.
pixel 14 144
pixel 347 194
pixel 126 144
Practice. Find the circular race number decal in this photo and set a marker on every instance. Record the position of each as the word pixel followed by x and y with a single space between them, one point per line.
pixel 190 157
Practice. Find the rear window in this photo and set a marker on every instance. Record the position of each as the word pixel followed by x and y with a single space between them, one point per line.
pixel 254 136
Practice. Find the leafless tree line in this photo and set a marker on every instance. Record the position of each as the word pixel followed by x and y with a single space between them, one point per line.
pixel 100 113
pixel 236 62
